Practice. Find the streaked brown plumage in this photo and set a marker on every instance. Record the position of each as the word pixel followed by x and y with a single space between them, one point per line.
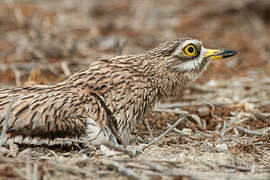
pixel 105 101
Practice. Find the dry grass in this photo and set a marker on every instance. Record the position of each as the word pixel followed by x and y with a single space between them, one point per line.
pixel 226 134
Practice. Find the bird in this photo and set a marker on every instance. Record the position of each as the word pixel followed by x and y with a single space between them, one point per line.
pixel 104 102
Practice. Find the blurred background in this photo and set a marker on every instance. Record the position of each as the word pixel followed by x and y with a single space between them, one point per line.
pixel 45 41
pixel 227 134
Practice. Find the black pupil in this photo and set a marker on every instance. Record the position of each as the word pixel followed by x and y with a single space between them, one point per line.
pixel 190 49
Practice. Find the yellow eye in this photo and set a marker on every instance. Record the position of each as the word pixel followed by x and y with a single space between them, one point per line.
pixel 190 50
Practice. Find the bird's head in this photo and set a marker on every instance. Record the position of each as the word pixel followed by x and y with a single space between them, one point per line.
pixel 188 55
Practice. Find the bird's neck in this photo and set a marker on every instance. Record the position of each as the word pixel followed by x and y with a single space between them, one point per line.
pixel 170 82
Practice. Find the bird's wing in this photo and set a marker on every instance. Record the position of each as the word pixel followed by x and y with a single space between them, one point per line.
pixel 42 114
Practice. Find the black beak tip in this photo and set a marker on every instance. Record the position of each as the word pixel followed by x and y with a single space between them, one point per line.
pixel 228 53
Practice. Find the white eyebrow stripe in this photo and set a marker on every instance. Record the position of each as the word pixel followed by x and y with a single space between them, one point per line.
pixel 184 44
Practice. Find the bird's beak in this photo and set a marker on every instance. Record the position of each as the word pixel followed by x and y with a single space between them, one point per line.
pixel 213 54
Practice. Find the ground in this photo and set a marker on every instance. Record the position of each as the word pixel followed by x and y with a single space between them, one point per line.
pixel 226 130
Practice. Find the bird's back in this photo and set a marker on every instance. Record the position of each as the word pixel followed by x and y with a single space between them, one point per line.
pixel 100 102
pixel 47 114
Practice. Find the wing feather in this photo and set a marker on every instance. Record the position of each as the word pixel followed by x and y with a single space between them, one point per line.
pixel 49 114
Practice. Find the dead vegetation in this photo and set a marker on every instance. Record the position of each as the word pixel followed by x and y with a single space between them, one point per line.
pixel 225 132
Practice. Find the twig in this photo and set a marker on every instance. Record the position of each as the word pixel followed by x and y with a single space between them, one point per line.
pixel 20 18
pixel 212 108
pixel 122 169
pixel 150 160
pixel 71 168
pixel 65 68
pixel 35 172
pixel 165 170
pixel 197 119
pixel 28 166
pixel 76 141
pixel 253 168
pixel 223 131
pixel 121 47
pixel 148 127
pixel 17 77
pixel 264 130
pixel 176 111
pixel 121 149
pixel 266 103
pixel 235 130
pixel 245 169
pixel 176 130
pixel 193 104
pixel 210 164
pixel 248 131
pixel 261 116
pixel 4 127
pixel 166 132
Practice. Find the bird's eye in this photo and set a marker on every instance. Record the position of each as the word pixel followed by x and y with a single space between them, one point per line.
pixel 190 50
